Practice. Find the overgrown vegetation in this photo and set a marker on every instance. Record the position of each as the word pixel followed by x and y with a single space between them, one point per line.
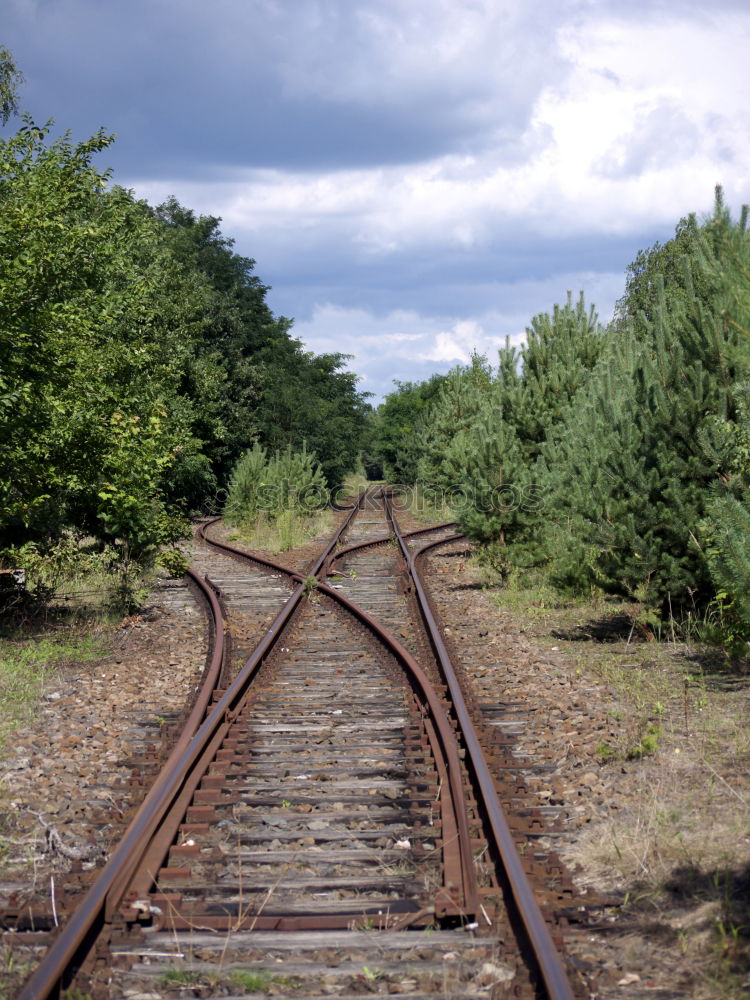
pixel 609 459
pixel 138 361
pixel 277 500
pixel 668 739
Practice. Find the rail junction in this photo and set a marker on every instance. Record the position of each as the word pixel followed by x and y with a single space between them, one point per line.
pixel 333 817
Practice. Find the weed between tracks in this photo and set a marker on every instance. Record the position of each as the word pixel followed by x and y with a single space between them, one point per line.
pixel 243 979
pixel 286 531
pixel 423 504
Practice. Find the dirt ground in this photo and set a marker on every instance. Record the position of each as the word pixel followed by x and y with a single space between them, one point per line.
pixel 72 775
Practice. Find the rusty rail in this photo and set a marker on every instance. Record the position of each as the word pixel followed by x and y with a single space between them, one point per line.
pixel 458 856
pixel 105 895
pixel 96 907
pixel 384 539
pixel 132 865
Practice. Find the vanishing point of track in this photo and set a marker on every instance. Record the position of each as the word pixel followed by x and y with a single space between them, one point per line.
pixel 329 806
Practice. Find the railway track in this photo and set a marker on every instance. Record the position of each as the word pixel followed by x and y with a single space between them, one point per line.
pixel 327 822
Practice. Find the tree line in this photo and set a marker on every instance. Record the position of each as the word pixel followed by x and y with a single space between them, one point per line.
pixel 139 358
pixel 610 458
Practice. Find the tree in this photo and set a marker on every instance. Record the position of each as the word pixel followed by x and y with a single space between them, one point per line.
pixel 486 432
pixel 395 427
pixel 272 390
pixel 663 266
pixel 10 80
pixel 97 323
pixel 447 425
pixel 634 476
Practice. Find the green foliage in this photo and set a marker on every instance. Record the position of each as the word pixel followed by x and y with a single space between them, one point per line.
pixel 25 667
pixel 447 425
pixel 10 80
pixel 726 545
pixel 180 977
pixel 255 381
pixel 174 561
pixel 250 980
pixel 138 359
pixel 54 564
pixel 725 530
pixel 483 438
pixel 635 475
pixel 307 398
pixel 290 481
pixel 245 499
pixel 394 447
pixel 95 326
pixel 618 459
pixel 560 352
pixel 647 744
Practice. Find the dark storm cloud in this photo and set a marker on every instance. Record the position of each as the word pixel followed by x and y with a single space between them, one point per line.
pixel 192 88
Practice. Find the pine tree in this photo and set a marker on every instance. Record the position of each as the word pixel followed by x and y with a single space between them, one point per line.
pixel 500 452
pixel 725 531
pixel 445 430
pixel 559 353
pixel 634 476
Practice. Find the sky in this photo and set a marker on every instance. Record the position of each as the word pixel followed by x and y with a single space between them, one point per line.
pixel 415 179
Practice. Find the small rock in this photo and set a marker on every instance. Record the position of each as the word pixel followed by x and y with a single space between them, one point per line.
pixel 490 974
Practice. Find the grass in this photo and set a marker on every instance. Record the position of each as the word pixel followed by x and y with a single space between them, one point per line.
pixel 28 665
pixel 75 577
pixel 288 530
pixel 247 980
pixel 424 505
pixel 251 982
pixel 354 484
pixel 12 973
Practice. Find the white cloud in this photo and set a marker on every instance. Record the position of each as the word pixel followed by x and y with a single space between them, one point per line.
pixel 646 124
pixel 458 344
pixel 395 345
pixel 621 123
pixel 637 133
pixel 404 344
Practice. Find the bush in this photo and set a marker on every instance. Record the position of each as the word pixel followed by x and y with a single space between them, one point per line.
pixel 288 482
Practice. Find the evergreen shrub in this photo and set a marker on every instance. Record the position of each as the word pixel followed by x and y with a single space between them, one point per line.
pixel 287 482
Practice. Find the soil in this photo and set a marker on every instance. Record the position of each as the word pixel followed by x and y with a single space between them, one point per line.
pixel 639 748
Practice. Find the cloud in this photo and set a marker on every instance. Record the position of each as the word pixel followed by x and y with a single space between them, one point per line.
pixel 420 174
pixel 399 346
pixel 317 84
pixel 630 126
pixel 407 345
pixel 458 344
pixel 661 138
